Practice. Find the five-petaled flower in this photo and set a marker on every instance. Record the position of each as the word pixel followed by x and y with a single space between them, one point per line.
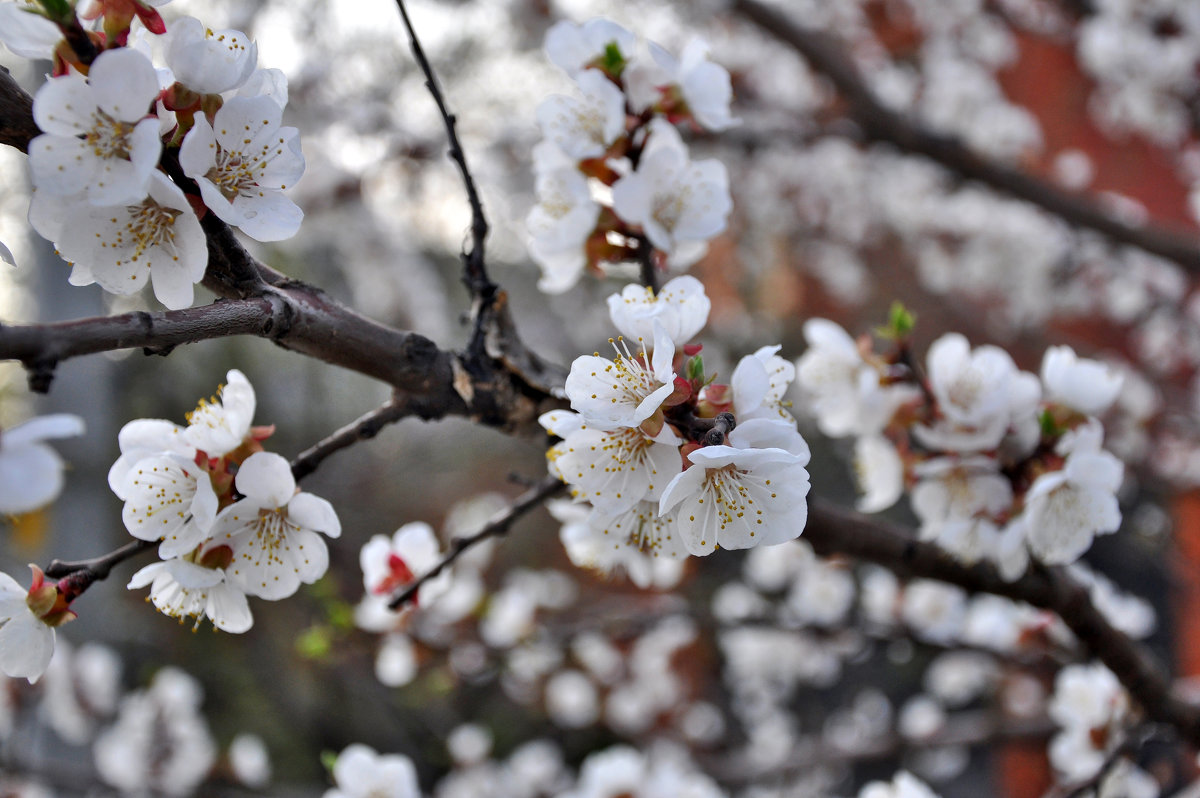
pixel 242 161
pixel 272 532
pixel 99 139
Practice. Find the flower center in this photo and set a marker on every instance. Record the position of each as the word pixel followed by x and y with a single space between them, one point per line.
pixel 109 138
pixel 668 208
pixel 150 225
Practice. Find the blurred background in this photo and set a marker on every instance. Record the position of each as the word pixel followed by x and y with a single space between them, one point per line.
pixel 1098 99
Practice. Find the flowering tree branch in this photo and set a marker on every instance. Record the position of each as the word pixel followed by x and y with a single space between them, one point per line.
pixel 547 488
pixel 833 530
pixel 968 728
pixel 500 383
pixel 878 123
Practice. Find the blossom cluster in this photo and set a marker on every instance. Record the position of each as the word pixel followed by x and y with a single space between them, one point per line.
pixel 999 464
pixel 670 461
pixel 227 515
pixel 613 172
pixel 154 739
pixel 136 147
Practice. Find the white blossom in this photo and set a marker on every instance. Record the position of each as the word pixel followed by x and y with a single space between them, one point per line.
pixel 559 225
pixel 208 61
pixel 638 542
pixel 31 473
pixel 159 742
pixel 1091 706
pixel 846 395
pixel 1086 385
pixel 758 385
pixel 249 760
pixel 26 640
pixel 676 200
pixel 122 247
pixel 272 532
pixel 584 127
pixel 218 427
pixel 979 392
pixel 26 34
pixel 1066 509
pixel 169 498
pixel 361 772
pixel 904 785
pixel 142 438
pixel 705 86
pixel 624 391
pixel 389 564
pixel 242 161
pixel 574 48
pixel 661 772
pixel 736 495
pixel 616 470
pixel 182 588
pixel 680 306
pixel 879 472
pixel 98 140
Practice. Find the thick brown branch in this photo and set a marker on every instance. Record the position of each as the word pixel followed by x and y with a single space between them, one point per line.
pixel 832 530
pixel 879 123
pixel 548 487
pixel 41 346
pixel 16 114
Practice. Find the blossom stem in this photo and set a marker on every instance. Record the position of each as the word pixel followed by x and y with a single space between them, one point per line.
pixel 645 259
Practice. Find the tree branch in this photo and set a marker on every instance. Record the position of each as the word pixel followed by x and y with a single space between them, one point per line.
pixel 832 530
pixel 548 487
pixel 880 123
pixel 364 428
pixel 500 384
pixel 16 114
pixel 40 347
pixel 98 568
pixel 475 275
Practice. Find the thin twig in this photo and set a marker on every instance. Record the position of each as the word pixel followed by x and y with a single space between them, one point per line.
pixel 548 487
pixel 879 123
pixel 99 567
pixel 474 271
pixel 363 428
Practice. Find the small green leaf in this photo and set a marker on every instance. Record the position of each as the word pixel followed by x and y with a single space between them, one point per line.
pixel 329 760
pixel 901 319
pixel 695 368
pixel 1048 424
pixel 612 62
